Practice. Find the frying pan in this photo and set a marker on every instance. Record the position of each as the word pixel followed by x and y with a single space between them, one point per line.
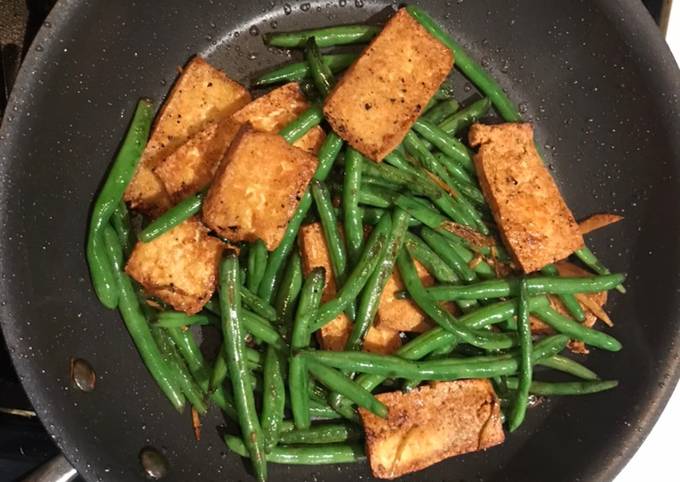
pixel 594 76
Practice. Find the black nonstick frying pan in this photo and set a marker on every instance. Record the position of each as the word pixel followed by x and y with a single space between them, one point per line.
pixel 594 76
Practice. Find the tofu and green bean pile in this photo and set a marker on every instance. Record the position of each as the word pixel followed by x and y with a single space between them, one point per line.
pixel 391 279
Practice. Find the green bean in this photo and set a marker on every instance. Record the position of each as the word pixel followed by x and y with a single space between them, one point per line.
pixel 406 179
pixel 352 218
pixel 322 434
pixel 120 220
pixel 172 217
pixel 297 372
pixel 441 110
pixel 519 407
pixel 325 37
pixel 380 182
pixel 273 398
pixel 262 329
pixel 444 369
pixel 287 296
pixel 588 258
pixel 567 365
pixel 482 268
pixel 321 73
pixel 301 70
pixel 451 257
pixel 458 172
pixel 567 299
pixel 469 67
pixel 173 319
pixel 565 388
pixel 220 371
pixel 370 296
pixel 184 379
pixel 138 328
pixel 420 210
pixel 301 455
pixel 257 304
pixel 502 288
pixel 356 280
pixel 440 353
pixel 344 385
pixel 450 146
pixel 329 223
pixel 108 199
pixel 234 352
pixel 257 263
pixel 434 265
pixel 439 315
pixel 327 154
pixel 299 127
pixel 464 118
pixel 565 325
pixel 191 353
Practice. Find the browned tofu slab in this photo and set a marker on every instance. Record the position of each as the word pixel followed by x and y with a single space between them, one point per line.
pixel 179 267
pixel 399 314
pixel 202 94
pixel 257 188
pixel 534 221
pixel 333 335
pixel 191 167
pixel 381 95
pixel 274 110
pixel 430 424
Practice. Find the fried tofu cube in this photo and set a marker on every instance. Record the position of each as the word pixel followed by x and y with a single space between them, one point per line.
pixel 257 188
pixel 381 95
pixel 276 109
pixel 430 424
pixel 333 335
pixel 400 314
pixel 179 267
pixel 202 94
pixel 191 167
pixel 534 221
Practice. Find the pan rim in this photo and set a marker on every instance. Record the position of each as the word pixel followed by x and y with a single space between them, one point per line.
pixel 62 14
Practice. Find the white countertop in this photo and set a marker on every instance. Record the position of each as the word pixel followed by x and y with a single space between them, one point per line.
pixel 657 456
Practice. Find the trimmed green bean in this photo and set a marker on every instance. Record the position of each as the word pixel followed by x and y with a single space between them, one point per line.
pixel 451 257
pixel 234 351
pixel 337 382
pixel 371 294
pixel 120 220
pixel 173 319
pixel 420 210
pixel 257 304
pixel 327 154
pixel 465 117
pixel 322 434
pixel 519 407
pixel 588 258
pixel 503 288
pixel 441 110
pixel 406 179
pixel 299 127
pixel 297 373
pixel 329 223
pixel 289 291
pixel 273 398
pixel 434 265
pixel 482 268
pixel 473 71
pixel 450 146
pixel 567 365
pixel 359 276
pixel 108 199
pixel 301 455
pixel 565 325
pixel 565 388
pixel 567 299
pixel 257 264
pixel 301 70
pixel 321 73
pixel 174 216
pixel 325 37
pixel 262 329
pixel 352 217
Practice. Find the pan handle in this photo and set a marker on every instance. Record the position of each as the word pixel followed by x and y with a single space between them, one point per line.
pixel 57 469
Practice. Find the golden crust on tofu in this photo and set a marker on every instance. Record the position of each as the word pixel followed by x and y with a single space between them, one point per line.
pixel 179 267
pixel 333 335
pixel 191 167
pixel 257 188
pixel 381 95
pixel 399 314
pixel 274 110
pixel 202 94
pixel 534 221
pixel 430 424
